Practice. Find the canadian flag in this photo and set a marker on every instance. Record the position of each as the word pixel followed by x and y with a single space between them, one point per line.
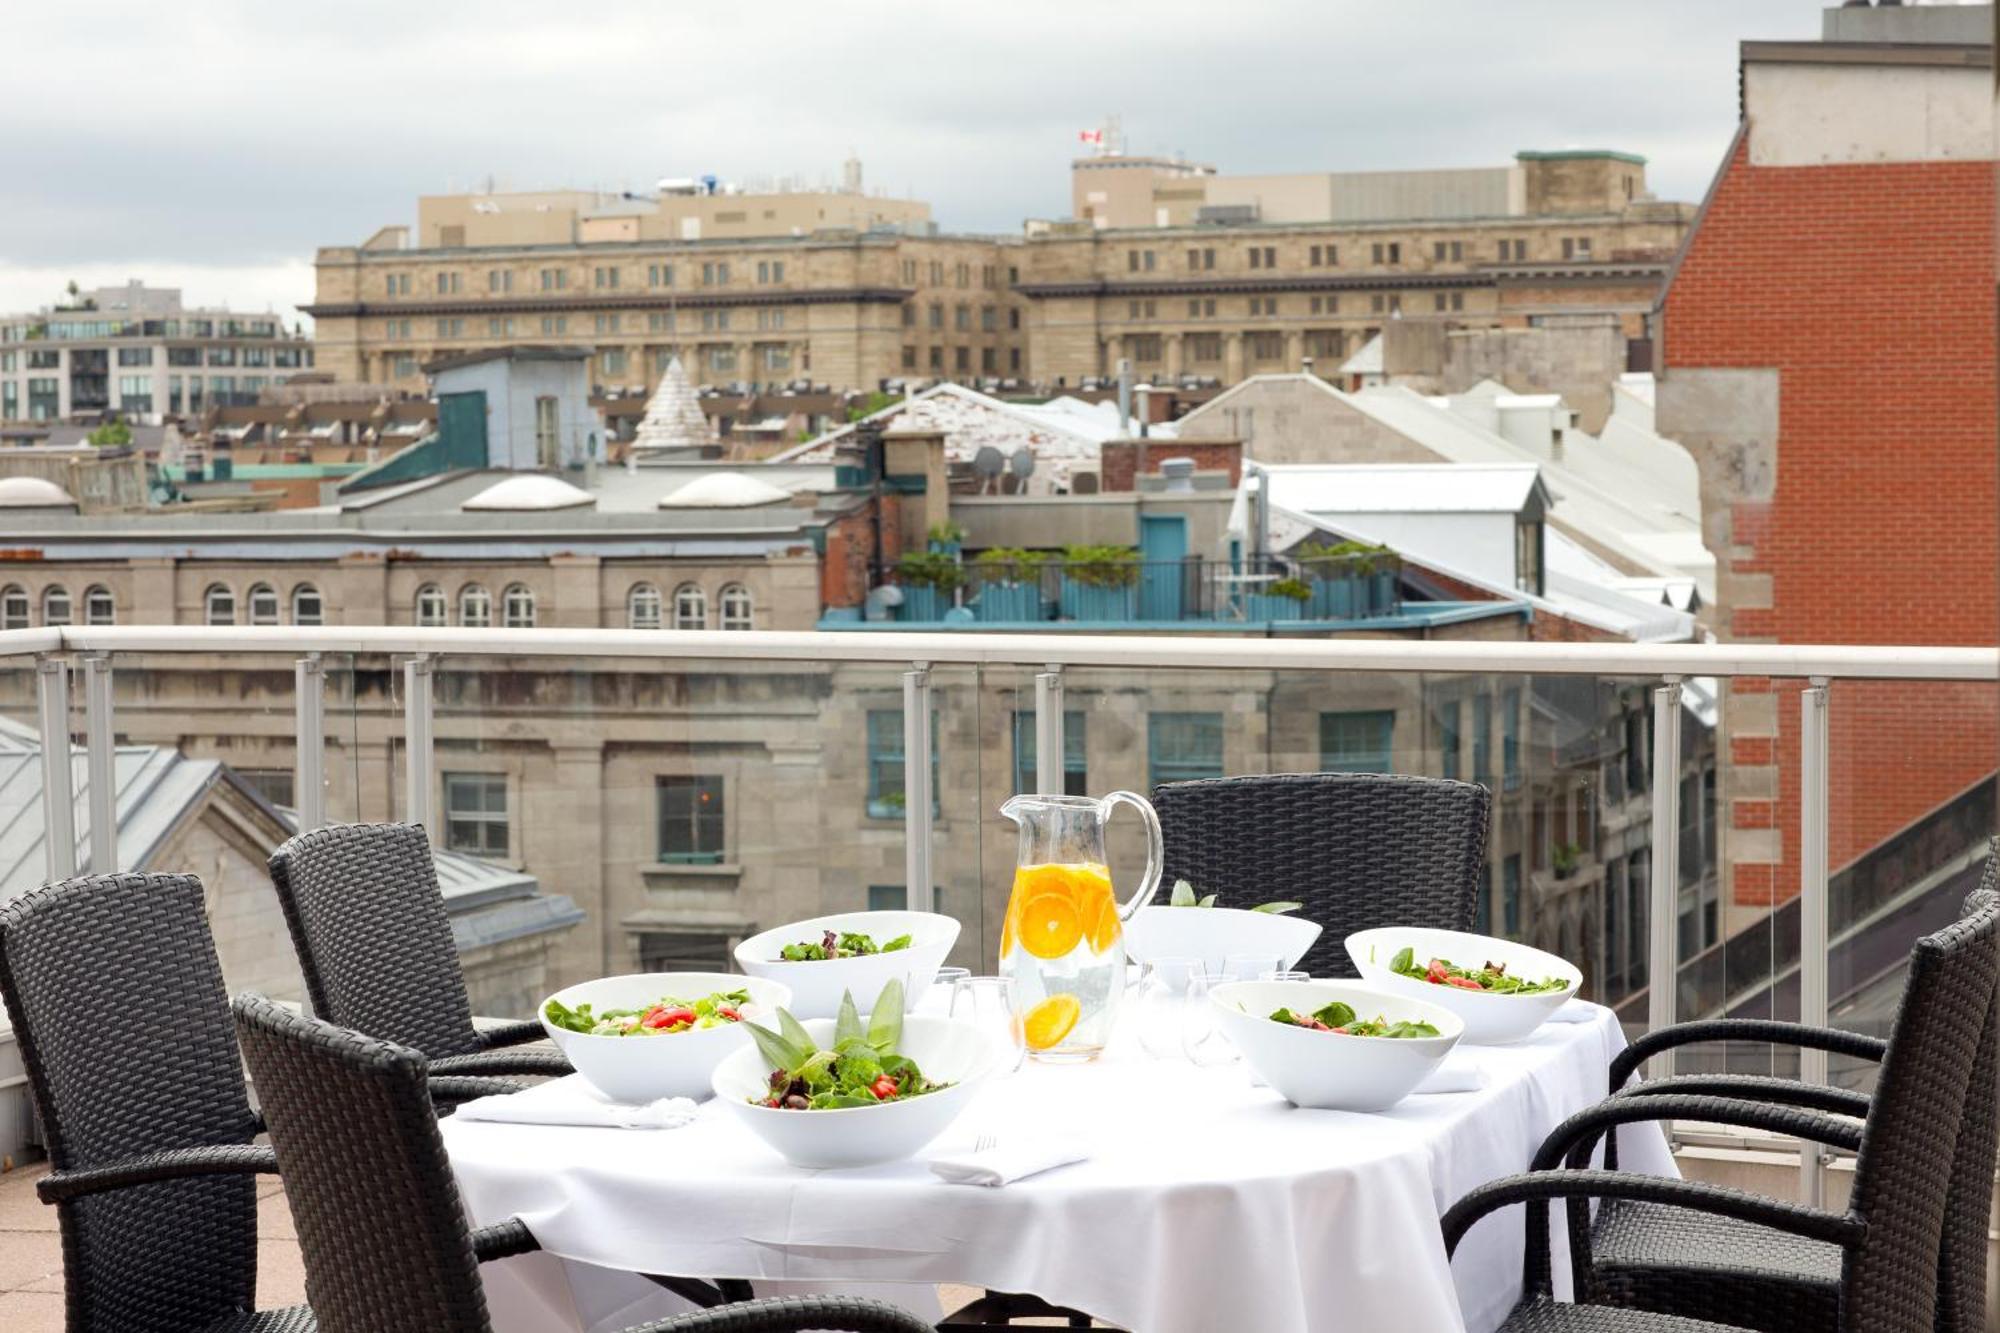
pixel 1090 136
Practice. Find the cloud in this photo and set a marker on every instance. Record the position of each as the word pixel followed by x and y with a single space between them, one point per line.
pixel 233 137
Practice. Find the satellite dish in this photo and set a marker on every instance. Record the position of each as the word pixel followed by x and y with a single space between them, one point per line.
pixel 988 462
pixel 1022 464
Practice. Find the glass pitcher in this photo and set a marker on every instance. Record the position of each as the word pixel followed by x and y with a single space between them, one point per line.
pixel 1063 939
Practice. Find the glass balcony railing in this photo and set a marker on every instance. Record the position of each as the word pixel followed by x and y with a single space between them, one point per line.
pixel 609 801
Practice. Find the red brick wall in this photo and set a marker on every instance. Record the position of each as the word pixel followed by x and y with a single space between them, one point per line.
pixel 1869 288
pixel 1120 459
pixel 850 545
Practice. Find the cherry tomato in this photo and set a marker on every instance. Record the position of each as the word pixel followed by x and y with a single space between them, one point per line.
pixel 1340 1030
pixel 730 1014
pixel 661 1018
pixel 1463 983
pixel 1437 974
pixel 883 1088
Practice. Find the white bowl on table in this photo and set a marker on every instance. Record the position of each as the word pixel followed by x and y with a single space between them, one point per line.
pixel 1490 1019
pixel 946 1052
pixel 1332 1071
pixel 674 1064
pixel 817 985
pixel 1213 933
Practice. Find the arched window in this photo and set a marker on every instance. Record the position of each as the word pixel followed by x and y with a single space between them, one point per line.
pixel 737 608
pixel 307 609
pixel 219 605
pixel 432 609
pixel 14 607
pixel 517 607
pixel 475 607
pixel 55 605
pixel 263 604
pixel 642 607
pixel 690 607
pixel 98 607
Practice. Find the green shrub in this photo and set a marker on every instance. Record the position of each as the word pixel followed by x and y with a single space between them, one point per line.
pixel 1296 589
pixel 1102 566
pixel 930 569
pixel 946 533
pixel 1009 564
pixel 1339 560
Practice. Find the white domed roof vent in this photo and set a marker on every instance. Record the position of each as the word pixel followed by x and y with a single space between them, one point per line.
pixel 725 490
pixel 33 493
pixel 530 493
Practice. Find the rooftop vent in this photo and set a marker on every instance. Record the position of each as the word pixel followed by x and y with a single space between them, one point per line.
pixel 1178 474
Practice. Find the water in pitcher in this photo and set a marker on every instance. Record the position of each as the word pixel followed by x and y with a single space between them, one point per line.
pixel 1063 939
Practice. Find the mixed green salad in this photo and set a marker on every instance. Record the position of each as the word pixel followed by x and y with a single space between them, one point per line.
pixel 1340 1017
pixel 1186 895
pixel 667 1015
pixel 862 1069
pixel 838 944
pixel 1491 977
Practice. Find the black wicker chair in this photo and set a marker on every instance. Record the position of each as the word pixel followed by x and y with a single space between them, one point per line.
pixel 381 1230
pixel 1660 1258
pixel 368 921
pixel 1358 849
pixel 1889 1241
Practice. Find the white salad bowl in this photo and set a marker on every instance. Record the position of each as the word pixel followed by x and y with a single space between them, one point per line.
pixel 674 1064
pixel 1490 1020
pixel 1213 933
pixel 818 986
pixel 1332 1071
pixel 955 1053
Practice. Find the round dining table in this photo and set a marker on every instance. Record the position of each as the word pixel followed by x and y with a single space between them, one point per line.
pixel 1207 1201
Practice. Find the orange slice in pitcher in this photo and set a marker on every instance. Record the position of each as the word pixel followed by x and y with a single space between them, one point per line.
pixel 1007 926
pixel 1049 925
pixel 1050 1021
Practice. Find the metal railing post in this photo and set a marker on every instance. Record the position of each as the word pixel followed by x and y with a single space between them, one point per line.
pixel 1813 960
pixel 58 782
pixel 100 764
pixel 417 743
pixel 309 758
pixel 1663 919
pixel 1049 732
pixel 918 890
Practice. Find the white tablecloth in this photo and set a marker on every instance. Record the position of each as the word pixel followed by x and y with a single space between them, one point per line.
pixel 1210 1203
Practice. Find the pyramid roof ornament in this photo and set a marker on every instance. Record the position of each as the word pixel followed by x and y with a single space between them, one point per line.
pixel 674 419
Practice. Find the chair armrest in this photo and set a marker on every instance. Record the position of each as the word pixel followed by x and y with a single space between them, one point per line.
pixel 794 1314
pixel 502 1240
pixel 1539 1187
pixel 549 1063
pixel 1651 1044
pixel 1755 1088
pixel 462 1088
pixel 510 1034
pixel 222 1159
pixel 1577 1136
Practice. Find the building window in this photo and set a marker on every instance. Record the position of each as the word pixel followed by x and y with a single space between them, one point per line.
pixel 1200 259
pixel 1204 347
pixel 475 607
pixel 1482 738
pixel 431 610
pixel 98 607
pixel 1265 346
pixel 275 785
pixel 475 813
pixel 1446 712
pixel 1181 746
pixel 499 280
pixel 611 361
pixel 555 323
pixel 1074 779
pixel 690 607
pixel 690 815
pixel 659 275
pixel 548 438
pixel 263 604
pixel 55 605
pixel 14 608
pixel 887 898
pixel 307 608
pixel 218 605
pixel 1388 252
pixel 736 607
pixel 517 607
pixel 642 607
pixel 1576 247
pixel 1510 738
pixel 1357 742
pixel 554 279
pixel 1528 557
pixel 885 763
pixel 606 278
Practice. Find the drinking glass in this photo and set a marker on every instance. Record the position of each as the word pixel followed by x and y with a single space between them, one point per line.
pixel 1202 1038
pixel 1250 966
pixel 1160 1006
pixel 988 1004
pixel 1285 976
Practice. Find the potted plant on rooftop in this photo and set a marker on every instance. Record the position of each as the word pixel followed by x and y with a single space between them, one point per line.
pixel 946 538
pixel 1100 582
pixel 1283 599
pixel 928 579
pixel 1334 568
pixel 1010 584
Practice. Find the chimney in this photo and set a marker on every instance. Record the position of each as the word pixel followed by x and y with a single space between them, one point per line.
pixel 1124 393
pixel 1306 366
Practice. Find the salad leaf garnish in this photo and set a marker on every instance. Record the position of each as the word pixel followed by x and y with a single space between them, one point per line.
pixel 885 1021
pixel 863 1068
pixel 1184 895
pixel 847 1023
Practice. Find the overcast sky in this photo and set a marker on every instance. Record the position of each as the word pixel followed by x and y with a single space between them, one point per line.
pixel 214 145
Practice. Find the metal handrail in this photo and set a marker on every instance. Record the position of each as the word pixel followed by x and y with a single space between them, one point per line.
pixel 1838 662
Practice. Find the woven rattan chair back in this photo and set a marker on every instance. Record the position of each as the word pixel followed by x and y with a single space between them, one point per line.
pixel 381 1231
pixel 1906 1165
pixel 368 921
pixel 1969 1204
pixel 1358 849
pixel 117 1003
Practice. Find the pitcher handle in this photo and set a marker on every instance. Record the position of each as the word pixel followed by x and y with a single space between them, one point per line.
pixel 1155 852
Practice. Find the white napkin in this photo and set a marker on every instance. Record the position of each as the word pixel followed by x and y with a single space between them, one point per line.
pixel 1573 1010
pixel 1456 1073
pixel 572 1101
pixel 1011 1159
